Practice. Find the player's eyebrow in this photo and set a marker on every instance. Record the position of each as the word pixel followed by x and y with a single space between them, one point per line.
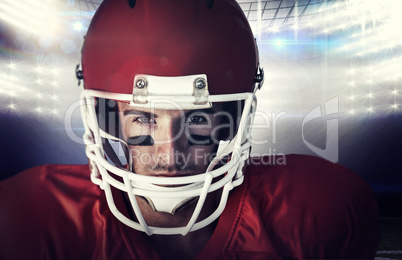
pixel 139 113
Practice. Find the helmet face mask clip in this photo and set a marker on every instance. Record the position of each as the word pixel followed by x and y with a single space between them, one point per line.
pixel 207 87
pixel 148 88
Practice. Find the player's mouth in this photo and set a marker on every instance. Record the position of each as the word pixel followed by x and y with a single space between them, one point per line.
pixel 171 174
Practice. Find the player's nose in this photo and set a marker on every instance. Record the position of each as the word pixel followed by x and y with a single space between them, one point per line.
pixel 171 142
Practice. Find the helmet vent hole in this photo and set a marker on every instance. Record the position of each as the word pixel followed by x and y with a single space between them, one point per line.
pixel 132 3
pixel 210 4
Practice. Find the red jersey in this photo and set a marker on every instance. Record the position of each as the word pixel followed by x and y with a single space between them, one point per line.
pixel 308 208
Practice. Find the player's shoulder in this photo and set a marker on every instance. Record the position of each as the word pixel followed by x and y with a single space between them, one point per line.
pixel 49 173
pixel 77 171
pixel 45 183
pixel 300 168
pixel 291 162
pixel 300 192
pixel 45 202
pixel 311 176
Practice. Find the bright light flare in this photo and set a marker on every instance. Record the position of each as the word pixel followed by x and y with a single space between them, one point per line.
pixel 78 26
pixel 13 86
pixel 278 42
pixel 36 17
pixel 375 25
pixel 55 71
pixel 40 69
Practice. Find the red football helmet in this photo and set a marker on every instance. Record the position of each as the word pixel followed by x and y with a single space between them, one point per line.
pixel 191 52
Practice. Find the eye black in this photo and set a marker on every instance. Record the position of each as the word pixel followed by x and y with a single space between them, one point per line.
pixel 200 140
pixel 144 140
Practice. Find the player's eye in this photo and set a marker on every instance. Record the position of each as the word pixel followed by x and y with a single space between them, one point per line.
pixel 197 119
pixel 144 120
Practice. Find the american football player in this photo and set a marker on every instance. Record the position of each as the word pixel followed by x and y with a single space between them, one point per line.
pixel 168 102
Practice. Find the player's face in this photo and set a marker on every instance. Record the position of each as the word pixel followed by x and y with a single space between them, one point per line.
pixel 170 143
